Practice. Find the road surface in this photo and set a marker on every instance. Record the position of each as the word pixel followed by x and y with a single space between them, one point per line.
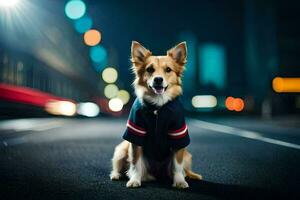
pixel 57 158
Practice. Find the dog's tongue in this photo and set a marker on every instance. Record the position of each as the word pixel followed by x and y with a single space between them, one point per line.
pixel 159 90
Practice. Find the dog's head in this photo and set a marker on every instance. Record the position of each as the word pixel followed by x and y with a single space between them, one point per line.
pixel 158 78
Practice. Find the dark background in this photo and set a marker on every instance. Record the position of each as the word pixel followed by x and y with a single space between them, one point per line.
pixel 50 148
pixel 260 40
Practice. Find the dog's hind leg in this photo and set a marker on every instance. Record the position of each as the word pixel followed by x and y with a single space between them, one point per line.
pixel 119 160
pixel 187 157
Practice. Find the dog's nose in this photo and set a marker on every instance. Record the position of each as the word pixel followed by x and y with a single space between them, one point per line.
pixel 158 80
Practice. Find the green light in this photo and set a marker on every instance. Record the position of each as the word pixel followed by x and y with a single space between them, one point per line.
pixel 83 24
pixel 75 9
pixel 212 60
pixel 98 54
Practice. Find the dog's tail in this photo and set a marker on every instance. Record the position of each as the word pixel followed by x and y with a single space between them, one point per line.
pixel 192 175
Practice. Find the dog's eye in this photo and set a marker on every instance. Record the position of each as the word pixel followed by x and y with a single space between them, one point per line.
pixel 150 70
pixel 168 69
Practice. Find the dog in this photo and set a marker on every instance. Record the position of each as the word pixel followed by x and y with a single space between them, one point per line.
pixel 156 135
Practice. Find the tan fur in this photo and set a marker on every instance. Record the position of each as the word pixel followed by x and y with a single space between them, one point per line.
pixel 121 160
pixel 179 155
pixel 136 154
pixel 130 157
pixel 142 58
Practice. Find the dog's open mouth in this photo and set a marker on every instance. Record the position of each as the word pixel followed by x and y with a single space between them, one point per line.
pixel 159 89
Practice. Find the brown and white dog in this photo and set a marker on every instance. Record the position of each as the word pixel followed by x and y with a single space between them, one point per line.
pixel 148 69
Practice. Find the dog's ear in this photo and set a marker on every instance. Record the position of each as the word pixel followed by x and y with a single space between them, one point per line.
pixel 178 53
pixel 139 53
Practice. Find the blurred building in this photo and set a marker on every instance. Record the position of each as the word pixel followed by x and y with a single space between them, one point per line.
pixel 40 49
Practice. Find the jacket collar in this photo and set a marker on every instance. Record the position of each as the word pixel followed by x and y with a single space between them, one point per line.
pixel 148 107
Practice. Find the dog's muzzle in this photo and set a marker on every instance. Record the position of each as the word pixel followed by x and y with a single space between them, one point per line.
pixel 157 85
pixel 158 89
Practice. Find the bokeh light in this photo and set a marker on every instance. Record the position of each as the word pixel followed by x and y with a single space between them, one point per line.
pixel 92 37
pixel 111 91
pixel 124 96
pixel 88 109
pixel 115 104
pixel 277 84
pixel 238 104
pixel 229 103
pixel 65 108
pixel 110 75
pixel 286 84
pixel 234 104
pixel 204 101
pixel 83 24
pixel 98 54
pixel 75 9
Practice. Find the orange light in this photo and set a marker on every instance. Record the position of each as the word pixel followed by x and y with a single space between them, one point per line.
pixel 229 103
pixel 238 104
pixel 234 104
pixel 286 84
pixel 92 37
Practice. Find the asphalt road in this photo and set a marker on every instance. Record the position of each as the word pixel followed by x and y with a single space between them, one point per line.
pixel 70 159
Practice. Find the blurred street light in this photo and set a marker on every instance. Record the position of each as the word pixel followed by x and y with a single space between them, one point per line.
pixel 234 104
pixel 110 75
pixel 88 109
pixel 111 91
pixel 286 84
pixel 238 104
pixel 204 101
pixel 65 108
pixel 98 54
pixel 124 96
pixel 115 104
pixel 229 103
pixel 75 9
pixel 92 37
pixel 83 24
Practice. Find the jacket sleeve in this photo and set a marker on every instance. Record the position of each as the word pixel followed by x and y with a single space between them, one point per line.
pixel 135 128
pixel 178 131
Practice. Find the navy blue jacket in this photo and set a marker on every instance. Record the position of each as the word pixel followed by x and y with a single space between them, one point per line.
pixel 157 130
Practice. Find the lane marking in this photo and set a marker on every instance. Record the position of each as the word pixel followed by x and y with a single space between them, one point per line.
pixel 241 133
pixel 22 125
pixel 48 126
pixel 39 128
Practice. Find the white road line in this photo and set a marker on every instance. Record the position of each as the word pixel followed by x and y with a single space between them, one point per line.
pixel 48 126
pixel 21 125
pixel 241 133
pixel 24 138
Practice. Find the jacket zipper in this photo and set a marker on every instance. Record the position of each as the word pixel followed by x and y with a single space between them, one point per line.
pixel 156 120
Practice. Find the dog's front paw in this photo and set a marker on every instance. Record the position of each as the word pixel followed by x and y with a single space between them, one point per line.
pixel 180 184
pixel 133 184
pixel 114 176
